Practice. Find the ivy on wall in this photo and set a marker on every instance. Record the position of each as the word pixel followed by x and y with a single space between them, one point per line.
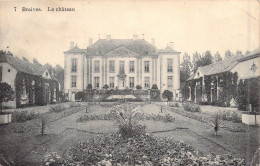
pixel 36 91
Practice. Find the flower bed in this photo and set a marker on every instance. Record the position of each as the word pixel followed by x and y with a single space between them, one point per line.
pixel 191 107
pixel 24 115
pixel 230 116
pixel 112 149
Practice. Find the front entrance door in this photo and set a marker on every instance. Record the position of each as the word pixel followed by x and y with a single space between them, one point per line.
pixel 121 84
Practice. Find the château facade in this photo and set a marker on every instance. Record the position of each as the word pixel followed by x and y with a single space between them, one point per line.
pixel 121 64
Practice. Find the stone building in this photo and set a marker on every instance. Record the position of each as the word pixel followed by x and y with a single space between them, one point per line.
pixel 121 64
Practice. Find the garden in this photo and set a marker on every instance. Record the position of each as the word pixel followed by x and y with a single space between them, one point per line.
pixel 125 133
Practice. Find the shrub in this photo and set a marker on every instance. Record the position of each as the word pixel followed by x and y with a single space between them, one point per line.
pixel 167 95
pixel 57 108
pixel 154 86
pixel 144 150
pixel 230 116
pixel 138 87
pixel 174 105
pixel 22 116
pixel 74 104
pixel 191 107
pixel 53 159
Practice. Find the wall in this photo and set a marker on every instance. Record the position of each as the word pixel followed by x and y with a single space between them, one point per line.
pixel 67 73
pixel 244 68
pixel 8 76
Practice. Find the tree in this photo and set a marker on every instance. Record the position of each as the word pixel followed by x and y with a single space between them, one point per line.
pixel 138 87
pixel 35 61
pixel 167 95
pixel 217 57
pixel 154 86
pixel 241 95
pixel 6 93
pixel 203 61
pixel 2 52
pixel 79 95
pixel 239 52
pixel 228 54
pixel 185 68
pixel 25 59
pixel 247 52
pixel 106 87
pixel 89 86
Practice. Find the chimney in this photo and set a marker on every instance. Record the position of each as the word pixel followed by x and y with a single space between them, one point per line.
pixel 171 44
pixel 153 41
pixel 90 41
pixel 135 37
pixel 71 45
pixel 108 37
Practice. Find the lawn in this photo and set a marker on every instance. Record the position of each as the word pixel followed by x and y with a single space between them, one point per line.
pixel 63 132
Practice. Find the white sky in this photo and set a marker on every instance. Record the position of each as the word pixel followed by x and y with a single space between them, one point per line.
pixel 198 25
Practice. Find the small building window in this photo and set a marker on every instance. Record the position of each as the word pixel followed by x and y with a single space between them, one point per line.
pixel 46 74
pixel 146 66
pixel 112 82
pixel 96 66
pixel 147 82
pixel 73 81
pixel 111 66
pixel 96 82
pixel 170 65
pixel 131 82
pixel 132 66
pixel 9 70
pixel 74 65
pixel 170 81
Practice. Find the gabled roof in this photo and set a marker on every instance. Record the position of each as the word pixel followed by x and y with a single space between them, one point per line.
pixel 103 46
pixel 168 49
pixel 251 55
pixel 122 51
pixel 76 49
pixel 220 66
pixel 22 66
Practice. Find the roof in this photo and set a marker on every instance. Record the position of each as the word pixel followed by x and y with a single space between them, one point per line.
pixel 251 55
pixel 168 49
pixel 220 66
pixel 76 49
pixel 22 66
pixel 138 46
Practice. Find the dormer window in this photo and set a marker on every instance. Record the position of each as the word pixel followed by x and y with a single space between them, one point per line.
pixel 46 74
pixel 198 74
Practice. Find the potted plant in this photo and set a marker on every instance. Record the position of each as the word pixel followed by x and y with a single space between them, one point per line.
pixel 6 94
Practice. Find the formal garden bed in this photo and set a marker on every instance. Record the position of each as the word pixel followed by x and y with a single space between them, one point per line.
pixel 132 145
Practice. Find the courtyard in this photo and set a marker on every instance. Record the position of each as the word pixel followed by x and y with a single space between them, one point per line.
pixel 23 144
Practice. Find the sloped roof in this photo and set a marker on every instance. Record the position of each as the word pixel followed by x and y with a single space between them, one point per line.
pixel 22 66
pixel 103 46
pixel 220 66
pixel 76 49
pixel 251 55
pixel 168 49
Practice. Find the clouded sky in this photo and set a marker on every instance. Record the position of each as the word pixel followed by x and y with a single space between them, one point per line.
pixel 198 25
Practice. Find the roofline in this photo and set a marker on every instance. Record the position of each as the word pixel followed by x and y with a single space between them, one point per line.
pixel 249 57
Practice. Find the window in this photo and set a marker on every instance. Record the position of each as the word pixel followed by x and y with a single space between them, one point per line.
pixel 146 66
pixel 131 82
pixel 132 66
pixel 111 82
pixel 170 65
pixel 96 66
pixel 111 66
pixel 96 83
pixel 121 66
pixel 46 74
pixel 73 65
pixel 73 81
pixel 147 82
pixel 170 82
pixel 1 70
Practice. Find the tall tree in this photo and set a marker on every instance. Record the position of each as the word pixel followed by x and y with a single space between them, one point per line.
pixel 217 57
pixel 203 61
pixel 35 61
pixel 25 59
pixel 238 52
pixel 228 54
pixel 2 52
pixel 6 93
pixel 185 68
pixel 247 52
